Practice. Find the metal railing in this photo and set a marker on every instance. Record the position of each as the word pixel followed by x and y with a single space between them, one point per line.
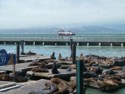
pixel 61 39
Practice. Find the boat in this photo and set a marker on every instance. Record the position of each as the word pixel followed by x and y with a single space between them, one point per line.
pixel 61 32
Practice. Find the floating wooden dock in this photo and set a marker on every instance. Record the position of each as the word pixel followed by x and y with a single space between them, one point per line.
pixel 19 67
pixel 26 59
pixel 29 86
pixel 62 74
pixel 29 58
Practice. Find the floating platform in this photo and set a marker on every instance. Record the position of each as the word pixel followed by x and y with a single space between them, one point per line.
pixel 29 86
pixel 63 73
pixel 18 67
pixel 29 58
pixel 6 85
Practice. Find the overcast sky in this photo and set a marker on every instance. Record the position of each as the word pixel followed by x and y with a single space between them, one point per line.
pixel 42 13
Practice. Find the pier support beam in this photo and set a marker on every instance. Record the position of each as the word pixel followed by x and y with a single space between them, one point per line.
pixel 18 51
pixel 22 46
pixel 71 42
pixel 24 43
pixel 66 44
pixel 122 45
pixel 87 44
pixel 77 44
pixel 15 43
pixel 4 43
pixel 55 44
pixel 99 44
pixel 34 43
pixel 43 43
pixel 110 44
pixel 74 53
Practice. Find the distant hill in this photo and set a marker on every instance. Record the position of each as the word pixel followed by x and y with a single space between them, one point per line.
pixel 54 30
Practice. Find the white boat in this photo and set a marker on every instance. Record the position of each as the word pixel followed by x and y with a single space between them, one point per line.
pixel 65 33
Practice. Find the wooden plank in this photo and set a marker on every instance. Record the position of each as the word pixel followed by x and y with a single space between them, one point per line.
pixel 63 73
pixel 19 67
pixel 33 57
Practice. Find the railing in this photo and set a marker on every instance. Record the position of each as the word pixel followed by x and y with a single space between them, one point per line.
pixel 61 39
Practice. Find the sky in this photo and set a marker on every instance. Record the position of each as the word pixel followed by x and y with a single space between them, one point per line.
pixel 45 13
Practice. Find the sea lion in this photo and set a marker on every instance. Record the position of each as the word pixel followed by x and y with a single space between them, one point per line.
pixel 54 68
pixel 53 56
pixel 38 69
pixel 81 57
pixel 61 86
pixel 116 68
pixel 5 77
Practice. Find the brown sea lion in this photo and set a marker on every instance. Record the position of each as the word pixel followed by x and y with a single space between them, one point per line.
pixel 116 68
pixel 5 77
pixel 53 56
pixel 60 57
pixel 81 57
pixel 61 86
pixel 55 69
pixel 38 69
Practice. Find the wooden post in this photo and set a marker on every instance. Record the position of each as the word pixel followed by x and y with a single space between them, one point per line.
pixel 18 51
pixel 74 53
pixel 12 62
pixel 79 77
pixel 71 42
pixel 22 46
pixel 14 73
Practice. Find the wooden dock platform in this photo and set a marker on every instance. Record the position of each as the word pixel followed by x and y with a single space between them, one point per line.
pixel 62 74
pixel 29 86
pixel 29 58
pixel 19 67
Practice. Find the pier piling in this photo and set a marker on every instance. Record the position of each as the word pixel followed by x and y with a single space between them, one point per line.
pixel 110 44
pixel 99 44
pixel 87 44
pixel 74 53
pixel 18 51
pixel 71 41
pixel 121 44
pixel 79 77
pixel 22 46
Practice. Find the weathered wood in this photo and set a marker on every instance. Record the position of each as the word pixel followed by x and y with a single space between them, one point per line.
pixel 19 67
pixel 17 52
pixel 62 73
pixel 29 58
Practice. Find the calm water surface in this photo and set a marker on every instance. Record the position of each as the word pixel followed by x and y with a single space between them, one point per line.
pixel 65 50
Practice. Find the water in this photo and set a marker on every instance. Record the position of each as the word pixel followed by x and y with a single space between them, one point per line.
pixel 65 51
pixel 114 51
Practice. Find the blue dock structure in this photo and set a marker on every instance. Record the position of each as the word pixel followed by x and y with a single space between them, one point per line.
pixel 83 40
